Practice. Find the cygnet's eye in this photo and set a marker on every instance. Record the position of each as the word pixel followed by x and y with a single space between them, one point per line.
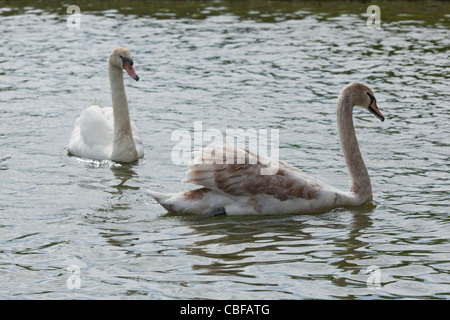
pixel 120 56
pixel 372 98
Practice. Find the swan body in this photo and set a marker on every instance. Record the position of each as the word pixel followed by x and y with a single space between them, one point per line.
pixel 105 133
pixel 242 189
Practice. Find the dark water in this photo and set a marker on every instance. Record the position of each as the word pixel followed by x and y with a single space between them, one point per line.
pixel 258 65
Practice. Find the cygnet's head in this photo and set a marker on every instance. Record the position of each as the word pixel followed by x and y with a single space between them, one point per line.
pixel 360 95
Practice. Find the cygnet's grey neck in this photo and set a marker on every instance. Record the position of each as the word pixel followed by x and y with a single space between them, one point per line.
pixel 360 180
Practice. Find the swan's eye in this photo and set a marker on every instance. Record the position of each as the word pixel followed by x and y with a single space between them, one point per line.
pixel 371 97
pixel 120 56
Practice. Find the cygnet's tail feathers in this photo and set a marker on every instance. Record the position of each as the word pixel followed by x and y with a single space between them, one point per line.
pixel 158 196
pixel 161 198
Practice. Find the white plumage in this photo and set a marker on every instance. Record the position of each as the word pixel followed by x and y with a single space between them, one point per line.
pixel 93 135
pixel 105 133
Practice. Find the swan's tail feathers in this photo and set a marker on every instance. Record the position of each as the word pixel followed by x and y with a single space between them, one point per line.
pixel 94 102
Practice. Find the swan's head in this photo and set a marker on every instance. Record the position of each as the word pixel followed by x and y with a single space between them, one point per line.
pixel 362 96
pixel 120 58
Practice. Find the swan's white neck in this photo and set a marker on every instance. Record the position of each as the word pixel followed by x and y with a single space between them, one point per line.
pixel 361 188
pixel 124 148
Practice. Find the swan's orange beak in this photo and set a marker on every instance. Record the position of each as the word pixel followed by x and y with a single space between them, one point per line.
pixel 374 109
pixel 128 66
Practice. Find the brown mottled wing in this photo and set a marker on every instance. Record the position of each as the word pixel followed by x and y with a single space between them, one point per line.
pixel 246 179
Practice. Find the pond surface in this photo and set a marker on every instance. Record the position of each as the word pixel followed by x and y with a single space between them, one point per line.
pixel 277 65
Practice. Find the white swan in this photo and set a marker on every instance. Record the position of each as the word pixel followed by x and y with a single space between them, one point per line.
pixel 241 189
pixel 108 133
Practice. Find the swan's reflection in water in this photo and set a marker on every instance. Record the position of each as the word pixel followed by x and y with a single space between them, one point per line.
pixel 124 179
pixel 123 174
pixel 287 245
pixel 112 217
pixel 118 181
